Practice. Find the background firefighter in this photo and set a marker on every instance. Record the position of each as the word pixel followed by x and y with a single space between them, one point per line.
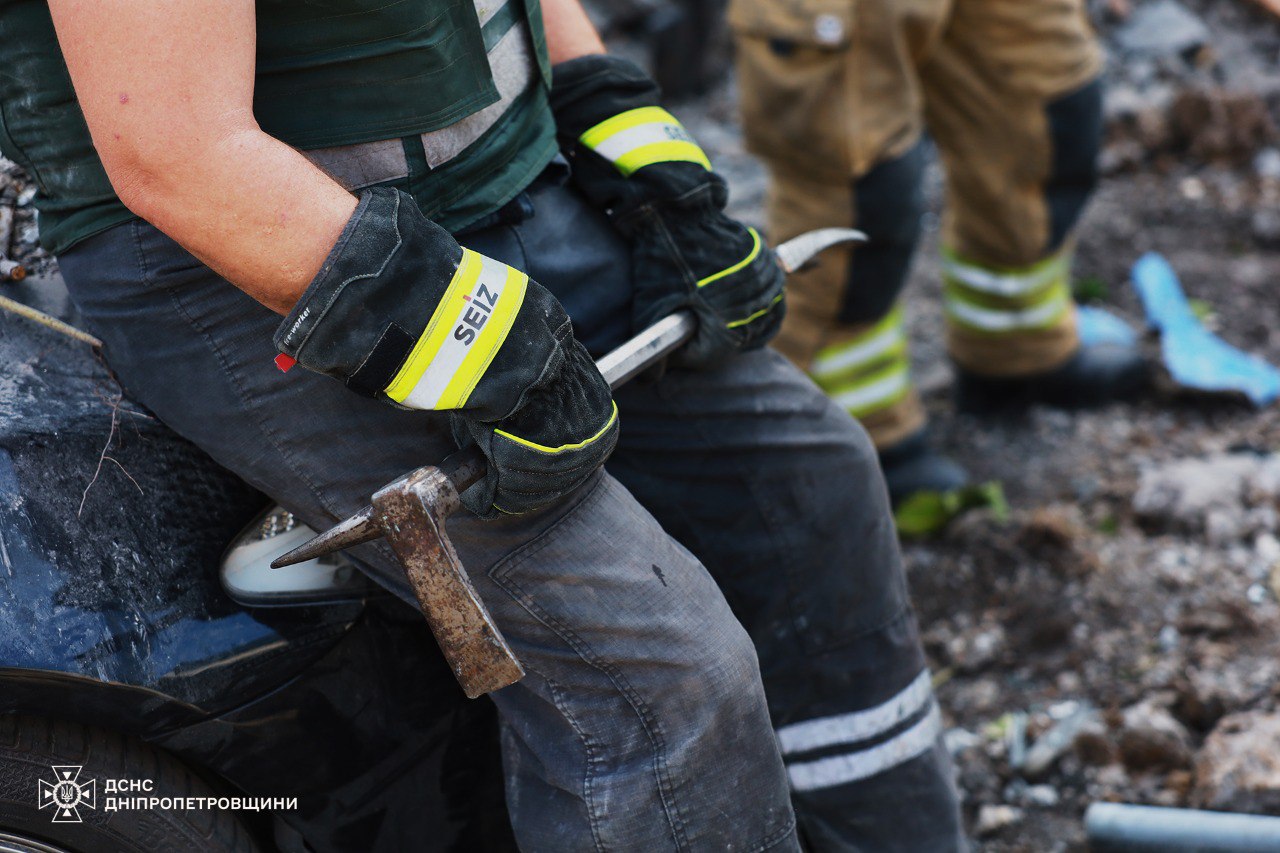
pixel 836 98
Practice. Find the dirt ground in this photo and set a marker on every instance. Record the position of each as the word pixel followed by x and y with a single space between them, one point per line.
pixel 1079 612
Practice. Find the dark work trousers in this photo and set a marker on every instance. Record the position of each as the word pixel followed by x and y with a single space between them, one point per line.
pixel 640 725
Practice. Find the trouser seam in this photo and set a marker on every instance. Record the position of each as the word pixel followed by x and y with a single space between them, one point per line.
pixel 591 752
pixel 651 726
pixel 778 837
pixel 903 613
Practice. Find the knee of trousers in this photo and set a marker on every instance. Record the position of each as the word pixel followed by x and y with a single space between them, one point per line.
pixel 849 287
pixel 843 573
pixel 1075 128
pixel 888 204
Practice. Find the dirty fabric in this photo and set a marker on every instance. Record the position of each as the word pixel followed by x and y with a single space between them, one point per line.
pixel 739 492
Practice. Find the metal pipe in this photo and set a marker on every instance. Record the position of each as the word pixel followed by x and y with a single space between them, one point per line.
pixel 1137 829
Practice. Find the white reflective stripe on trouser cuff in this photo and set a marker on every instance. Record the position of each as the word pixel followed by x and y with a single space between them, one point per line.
pixel 863 764
pixel 857 725
pixel 874 393
pixel 837 360
pixel 1005 283
pixel 993 320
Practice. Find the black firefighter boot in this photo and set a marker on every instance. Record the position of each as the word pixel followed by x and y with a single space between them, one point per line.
pixel 913 465
pixel 1094 376
pixel 1011 321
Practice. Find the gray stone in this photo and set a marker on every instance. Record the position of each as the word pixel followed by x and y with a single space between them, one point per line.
pixel 1056 741
pixel 1044 796
pixel 1162 28
pixel 992 819
pixel 1227 496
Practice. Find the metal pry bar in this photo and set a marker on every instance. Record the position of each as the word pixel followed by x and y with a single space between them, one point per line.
pixel 800 251
pixel 622 364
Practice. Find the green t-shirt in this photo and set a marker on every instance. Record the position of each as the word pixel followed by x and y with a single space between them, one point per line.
pixel 329 73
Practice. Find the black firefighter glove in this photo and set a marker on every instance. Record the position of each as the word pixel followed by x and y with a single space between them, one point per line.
pixel 401 312
pixel 635 161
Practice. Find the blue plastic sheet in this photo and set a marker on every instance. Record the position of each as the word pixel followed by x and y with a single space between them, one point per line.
pixel 1099 327
pixel 1197 358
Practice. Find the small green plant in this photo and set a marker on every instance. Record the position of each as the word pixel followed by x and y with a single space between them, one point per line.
pixel 1090 288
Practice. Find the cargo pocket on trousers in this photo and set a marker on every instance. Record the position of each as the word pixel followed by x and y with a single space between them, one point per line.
pixel 793 65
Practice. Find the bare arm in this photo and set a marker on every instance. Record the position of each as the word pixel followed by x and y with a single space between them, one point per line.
pixel 570 33
pixel 167 91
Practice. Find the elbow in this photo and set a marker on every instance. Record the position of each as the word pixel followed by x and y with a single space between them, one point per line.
pixel 155 175
pixel 137 189
pixel 146 181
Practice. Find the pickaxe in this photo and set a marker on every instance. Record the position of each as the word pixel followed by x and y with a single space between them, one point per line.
pixel 411 512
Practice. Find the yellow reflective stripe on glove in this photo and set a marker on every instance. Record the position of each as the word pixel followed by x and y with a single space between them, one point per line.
pixel 577 445
pixel 641 137
pixel 751 256
pixel 465 332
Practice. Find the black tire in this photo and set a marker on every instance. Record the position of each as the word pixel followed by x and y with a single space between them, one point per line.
pixel 29 749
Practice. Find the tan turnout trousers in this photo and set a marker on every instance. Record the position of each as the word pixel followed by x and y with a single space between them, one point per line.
pixel 830 89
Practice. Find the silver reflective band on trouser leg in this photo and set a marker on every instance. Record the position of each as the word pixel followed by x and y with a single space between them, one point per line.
pixel 1000 301
pixel 642 137
pixel 855 727
pixel 868 372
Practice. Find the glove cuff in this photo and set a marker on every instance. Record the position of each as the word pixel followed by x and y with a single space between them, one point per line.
pixel 400 311
pixel 590 89
pixel 360 316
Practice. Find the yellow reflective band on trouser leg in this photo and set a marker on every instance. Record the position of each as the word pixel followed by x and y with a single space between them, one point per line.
pixel 868 371
pixel 577 445
pixel 464 334
pixel 995 301
pixel 1009 322
pixel 642 137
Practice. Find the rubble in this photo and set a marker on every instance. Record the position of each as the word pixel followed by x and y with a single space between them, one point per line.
pixel 992 819
pixel 1152 739
pixel 20 245
pixel 1162 28
pixel 1238 768
pixel 1227 496
pixel 1057 741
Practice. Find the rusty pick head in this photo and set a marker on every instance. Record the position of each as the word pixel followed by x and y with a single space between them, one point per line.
pixel 355 530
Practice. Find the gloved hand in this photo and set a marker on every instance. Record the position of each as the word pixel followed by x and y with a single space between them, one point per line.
pixel 401 312
pixel 635 161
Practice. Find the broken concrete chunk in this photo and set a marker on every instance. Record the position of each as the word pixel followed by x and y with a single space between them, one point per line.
pixel 1238 768
pixel 1057 740
pixel 1216 495
pixel 1151 739
pixel 992 819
